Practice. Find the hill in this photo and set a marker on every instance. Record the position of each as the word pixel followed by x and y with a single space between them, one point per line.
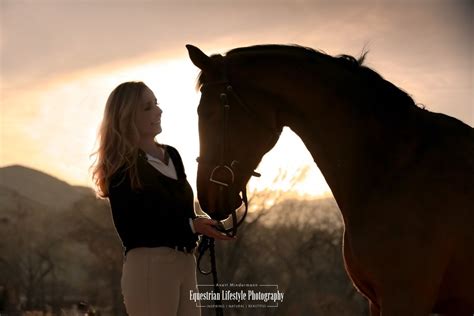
pixel 18 182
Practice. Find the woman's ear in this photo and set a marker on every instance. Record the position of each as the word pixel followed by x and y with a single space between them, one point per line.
pixel 201 60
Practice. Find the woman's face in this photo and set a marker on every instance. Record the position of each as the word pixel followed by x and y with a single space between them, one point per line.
pixel 148 116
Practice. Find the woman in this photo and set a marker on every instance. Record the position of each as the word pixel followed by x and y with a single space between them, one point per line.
pixel 152 205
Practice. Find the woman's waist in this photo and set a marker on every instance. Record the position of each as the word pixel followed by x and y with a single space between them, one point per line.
pixel 160 246
pixel 161 249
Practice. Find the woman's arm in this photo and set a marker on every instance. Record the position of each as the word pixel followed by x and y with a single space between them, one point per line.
pixel 122 202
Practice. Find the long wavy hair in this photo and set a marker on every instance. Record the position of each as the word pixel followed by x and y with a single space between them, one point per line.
pixel 118 137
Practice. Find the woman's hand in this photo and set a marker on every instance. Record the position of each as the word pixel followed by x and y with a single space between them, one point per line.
pixel 207 226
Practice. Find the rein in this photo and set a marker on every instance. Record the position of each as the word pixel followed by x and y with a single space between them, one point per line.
pixel 208 243
pixel 231 168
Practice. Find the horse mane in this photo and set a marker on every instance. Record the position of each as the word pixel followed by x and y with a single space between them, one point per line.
pixel 387 93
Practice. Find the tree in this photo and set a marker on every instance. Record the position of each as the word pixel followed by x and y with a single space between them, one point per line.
pixel 94 228
pixel 295 244
pixel 29 253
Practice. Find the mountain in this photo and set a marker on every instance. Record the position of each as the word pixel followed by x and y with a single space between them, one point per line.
pixel 36 187
pixel 13 204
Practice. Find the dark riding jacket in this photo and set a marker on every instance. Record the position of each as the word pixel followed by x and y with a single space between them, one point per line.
pixel 158 215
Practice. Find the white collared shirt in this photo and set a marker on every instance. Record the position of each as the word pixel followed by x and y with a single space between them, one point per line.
pixel 168 170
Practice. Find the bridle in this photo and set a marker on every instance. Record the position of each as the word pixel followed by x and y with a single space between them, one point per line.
pixel 232 167
pixel 229 168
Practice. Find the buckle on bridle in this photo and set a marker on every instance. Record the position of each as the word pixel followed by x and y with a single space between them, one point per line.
pixel 229 169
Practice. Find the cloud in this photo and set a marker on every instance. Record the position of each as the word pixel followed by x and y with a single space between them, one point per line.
pixel 425 41
pixel 46 38
pixel 59 59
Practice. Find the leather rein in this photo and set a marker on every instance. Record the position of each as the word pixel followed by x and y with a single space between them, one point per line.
pixel 230 169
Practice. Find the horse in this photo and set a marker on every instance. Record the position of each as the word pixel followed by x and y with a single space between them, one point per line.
pixel 401 175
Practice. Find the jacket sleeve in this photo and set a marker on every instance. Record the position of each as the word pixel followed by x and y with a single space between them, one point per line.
pixel 122 202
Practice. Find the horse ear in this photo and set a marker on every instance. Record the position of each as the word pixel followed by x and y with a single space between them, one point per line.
pixel 201 60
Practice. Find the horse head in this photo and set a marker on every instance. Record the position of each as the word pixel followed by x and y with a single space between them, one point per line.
pixel 233 133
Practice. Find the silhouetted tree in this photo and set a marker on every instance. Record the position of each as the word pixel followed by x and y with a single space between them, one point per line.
pixel 94 228
pixel 295 244
pixel 29 256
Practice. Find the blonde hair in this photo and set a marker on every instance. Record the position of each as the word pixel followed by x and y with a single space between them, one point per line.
pixel 118 137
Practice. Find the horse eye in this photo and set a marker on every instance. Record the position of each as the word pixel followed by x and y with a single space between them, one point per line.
pixel 204 112
pixel 200 111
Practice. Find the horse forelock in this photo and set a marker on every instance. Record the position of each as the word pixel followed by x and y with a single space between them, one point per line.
pixel 202 78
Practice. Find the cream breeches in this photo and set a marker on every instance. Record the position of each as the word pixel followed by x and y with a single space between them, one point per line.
pixel 157 282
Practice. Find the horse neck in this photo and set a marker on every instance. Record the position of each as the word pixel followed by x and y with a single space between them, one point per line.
pixel 345 168
pixel 353 151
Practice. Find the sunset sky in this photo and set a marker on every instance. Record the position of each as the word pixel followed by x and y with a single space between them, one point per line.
pixel 61 59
